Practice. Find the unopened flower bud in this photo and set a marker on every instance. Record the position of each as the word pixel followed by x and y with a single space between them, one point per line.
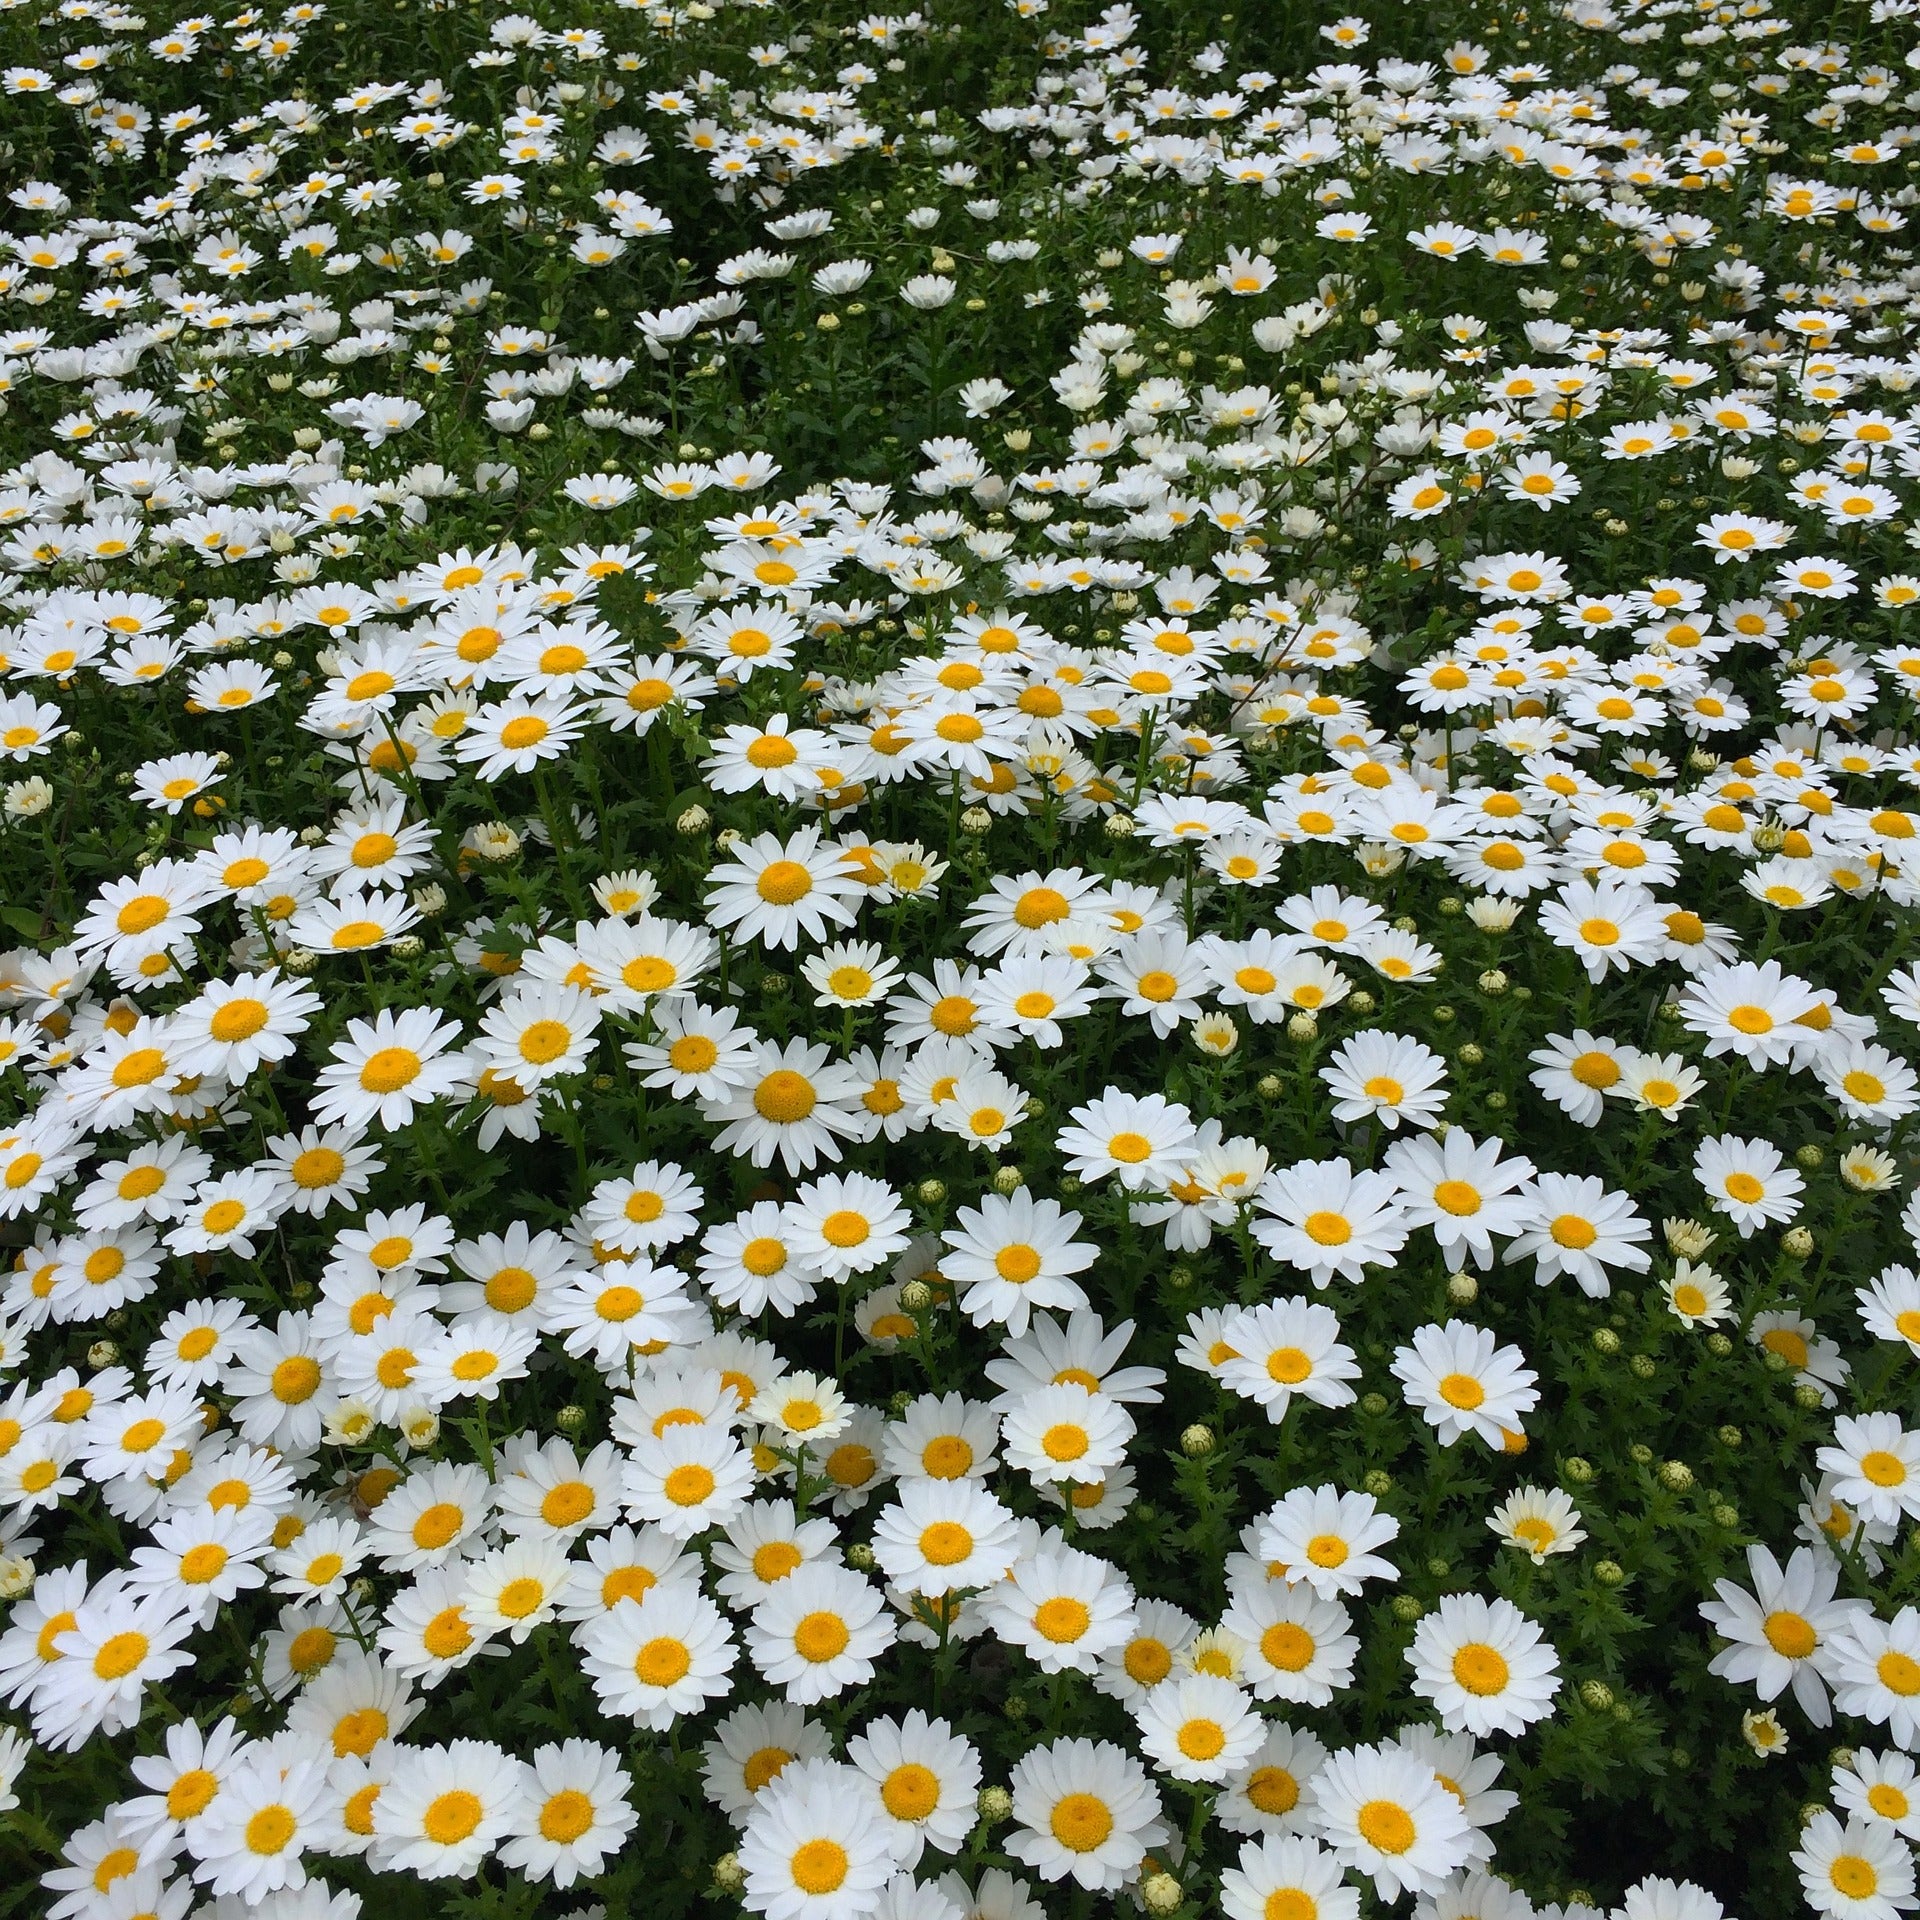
pixel 1675 1475
pixel 1462 1289
pixel 1196 1441
pixel 916 1296
pixel 860 1557
pixel 994 1805
pixel 572 1418
pixel 729 1876
pixel 1160 1893
pixel 1596 1695
pixel 930 1193
pixel 1008 1180
pixel 1796 1243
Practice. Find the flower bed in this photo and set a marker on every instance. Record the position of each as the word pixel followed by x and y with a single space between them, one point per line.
pixel 964 962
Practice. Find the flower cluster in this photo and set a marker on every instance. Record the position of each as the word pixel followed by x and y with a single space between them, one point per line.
pixel 1024 1031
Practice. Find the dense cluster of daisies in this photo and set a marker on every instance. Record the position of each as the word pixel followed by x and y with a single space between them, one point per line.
pixel 912 1174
